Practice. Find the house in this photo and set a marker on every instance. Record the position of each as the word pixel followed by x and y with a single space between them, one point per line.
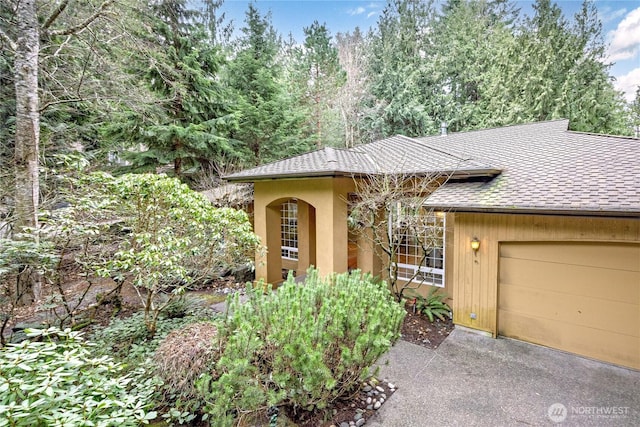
pixel 556 215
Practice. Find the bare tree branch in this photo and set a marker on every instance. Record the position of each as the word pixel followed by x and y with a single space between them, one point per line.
pixel 4 36
pixel 61 7
pixel 72 100
pixel 388 210
pixel 59 101
pixel 84 24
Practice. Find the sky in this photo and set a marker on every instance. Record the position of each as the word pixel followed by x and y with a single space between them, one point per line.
pixel 620 20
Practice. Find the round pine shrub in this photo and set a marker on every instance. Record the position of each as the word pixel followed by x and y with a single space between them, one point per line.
pixel 302 346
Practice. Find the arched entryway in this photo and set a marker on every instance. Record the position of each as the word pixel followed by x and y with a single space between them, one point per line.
pixel 320 225
pixel 297 236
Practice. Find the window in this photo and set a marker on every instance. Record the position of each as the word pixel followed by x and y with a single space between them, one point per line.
pixel 418 241
pixel 289 230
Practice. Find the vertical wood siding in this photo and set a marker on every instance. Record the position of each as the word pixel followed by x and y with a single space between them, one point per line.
pixel 475 276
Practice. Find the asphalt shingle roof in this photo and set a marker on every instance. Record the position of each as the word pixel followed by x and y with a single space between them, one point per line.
pixel 397 154
pixel 545 167
pixel 530 167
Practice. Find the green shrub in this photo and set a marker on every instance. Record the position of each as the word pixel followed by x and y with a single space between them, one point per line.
pixel 58 382
pixel 130 342
pixel 302 346
pixel 432 305
pixel 174 237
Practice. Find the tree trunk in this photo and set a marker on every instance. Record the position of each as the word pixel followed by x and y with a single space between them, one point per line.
pixel 27 138
pixel 177 161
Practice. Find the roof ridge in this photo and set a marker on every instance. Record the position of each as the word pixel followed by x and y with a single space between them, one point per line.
pixel 577 132
pixel 455 153
pixel 546 122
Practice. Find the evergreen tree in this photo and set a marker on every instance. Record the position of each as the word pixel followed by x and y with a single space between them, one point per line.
pixel 192 115
pixel 555 69
pixel 270 124
pixel 324 77
pixel 592 104
pixel 469 38
pixel 405 95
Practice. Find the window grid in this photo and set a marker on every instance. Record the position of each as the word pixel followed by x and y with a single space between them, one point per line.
pixel 289 230
pixel 419 235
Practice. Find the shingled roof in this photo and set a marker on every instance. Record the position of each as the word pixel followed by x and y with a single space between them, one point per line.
pixel 526 168
pixel 397 154
pixel 547 168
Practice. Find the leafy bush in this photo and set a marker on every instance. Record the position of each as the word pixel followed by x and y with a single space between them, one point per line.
pixel 58 382
pixel 164 237
pixel 302 346
pixel 433 304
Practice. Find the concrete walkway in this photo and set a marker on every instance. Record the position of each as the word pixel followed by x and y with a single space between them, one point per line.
pixel 473 380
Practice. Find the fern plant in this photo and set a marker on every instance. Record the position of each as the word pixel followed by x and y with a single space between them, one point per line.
pixel 433 304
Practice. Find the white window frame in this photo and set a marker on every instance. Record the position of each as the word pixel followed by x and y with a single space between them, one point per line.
pixel 422 274
pixel 289 228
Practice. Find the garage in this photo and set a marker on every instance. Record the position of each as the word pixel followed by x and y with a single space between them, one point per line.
pixel 579 297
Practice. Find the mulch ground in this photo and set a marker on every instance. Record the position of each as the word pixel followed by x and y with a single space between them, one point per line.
pixel 417 329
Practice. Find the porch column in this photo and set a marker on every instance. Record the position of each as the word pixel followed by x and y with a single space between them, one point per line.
pixel 306 237
pixel 368 260
pixel 270 235
pixel 332 235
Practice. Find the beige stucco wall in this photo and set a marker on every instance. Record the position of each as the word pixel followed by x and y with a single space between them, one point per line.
pixel 474 283
pixel 328 198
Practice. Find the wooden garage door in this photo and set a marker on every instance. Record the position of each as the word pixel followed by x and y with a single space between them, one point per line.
pixel 583 298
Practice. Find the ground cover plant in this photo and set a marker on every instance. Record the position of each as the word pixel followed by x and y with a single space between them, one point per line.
pixel 60 381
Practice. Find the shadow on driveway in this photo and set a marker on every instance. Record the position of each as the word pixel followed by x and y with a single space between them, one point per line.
pixel 475 380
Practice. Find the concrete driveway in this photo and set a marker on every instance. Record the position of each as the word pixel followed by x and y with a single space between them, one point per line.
pixel 475 380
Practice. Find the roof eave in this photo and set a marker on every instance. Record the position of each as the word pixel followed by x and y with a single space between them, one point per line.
pixel 452 174
pixel 537 211
pixel 474 173
pixel 271 177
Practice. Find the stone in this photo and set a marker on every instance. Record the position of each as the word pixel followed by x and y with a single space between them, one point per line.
pixel 369 400
pixel 380 389
pixel 369 407
pixel 344 424
pixel 381 400
pixel 391 385
pixel 357 416
pixel 377 405
pixel 367 388
pixel 360 422
pixel 383 396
